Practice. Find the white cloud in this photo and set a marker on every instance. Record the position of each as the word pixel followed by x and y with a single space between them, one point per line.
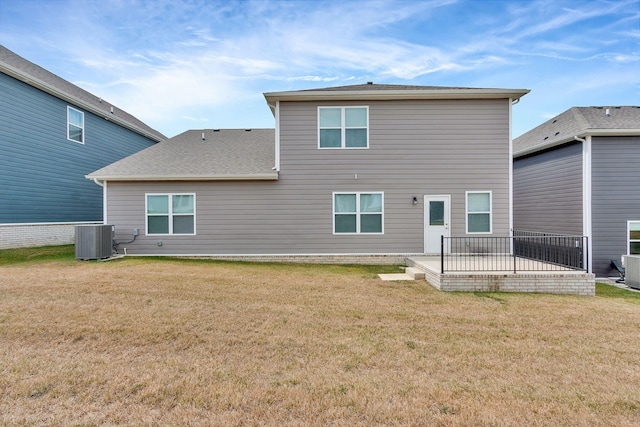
pixel 313 78
pixel 170 61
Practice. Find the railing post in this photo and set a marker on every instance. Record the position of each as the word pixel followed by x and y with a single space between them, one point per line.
pixel 515 260
pixel 441 254
pixel 586 251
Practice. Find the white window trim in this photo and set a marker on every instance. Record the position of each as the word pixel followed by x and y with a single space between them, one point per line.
pixel 170 214
pixel 628 237
pixel 466 211
pixel 358 213
pixel 343 139
pixel 69 123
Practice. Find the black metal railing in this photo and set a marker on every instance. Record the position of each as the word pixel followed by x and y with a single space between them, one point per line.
pixel 524 251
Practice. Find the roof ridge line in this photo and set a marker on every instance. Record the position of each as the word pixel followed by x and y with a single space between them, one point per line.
pixel 580 118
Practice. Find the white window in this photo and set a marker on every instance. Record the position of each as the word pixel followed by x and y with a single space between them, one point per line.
pixel 75 125
pixel 478 212
pixel 343 127
pixel 633 235
pixel 171 214
pixel 358 213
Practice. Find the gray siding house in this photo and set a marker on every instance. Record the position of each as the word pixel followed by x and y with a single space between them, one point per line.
pixel 357 170
pixel 578 174
pixel 52 133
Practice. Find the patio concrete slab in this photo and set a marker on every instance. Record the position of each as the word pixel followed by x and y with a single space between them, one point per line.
pixel 556 280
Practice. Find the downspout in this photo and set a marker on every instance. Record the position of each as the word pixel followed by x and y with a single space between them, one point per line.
pixel 277 137
pixel 276 114
pixel 103 184
pixel 586 197
pixel 513 102
pixel 104 203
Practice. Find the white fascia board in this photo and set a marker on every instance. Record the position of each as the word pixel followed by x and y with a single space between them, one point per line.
pixel 364 95
pixel 46 87
pixel 255 177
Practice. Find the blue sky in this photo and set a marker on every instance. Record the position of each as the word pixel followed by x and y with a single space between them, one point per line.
pixel 196 64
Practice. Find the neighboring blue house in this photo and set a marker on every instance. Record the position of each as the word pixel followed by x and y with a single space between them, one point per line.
pixel 52 133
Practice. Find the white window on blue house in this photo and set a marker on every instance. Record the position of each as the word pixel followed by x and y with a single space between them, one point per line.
pixel 633 237
pixel 478 212
pixel 358 213
pixel 75 125
pixel 171 214
pixel 343 127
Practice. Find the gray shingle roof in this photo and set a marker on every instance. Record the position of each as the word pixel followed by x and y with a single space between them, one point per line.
pixel 378 86
pixel 225 154
pixel 580 122
pixel 371 91
pixel 36 76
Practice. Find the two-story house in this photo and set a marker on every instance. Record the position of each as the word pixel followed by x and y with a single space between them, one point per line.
pixel 366 170
pixel 53 133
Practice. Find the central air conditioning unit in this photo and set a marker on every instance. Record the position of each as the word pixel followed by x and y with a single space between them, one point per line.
pixel 632 271
pixel 94 241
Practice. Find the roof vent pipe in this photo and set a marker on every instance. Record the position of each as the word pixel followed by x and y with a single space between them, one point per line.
pixel 607 112
pixel 203 138
pixel 111 110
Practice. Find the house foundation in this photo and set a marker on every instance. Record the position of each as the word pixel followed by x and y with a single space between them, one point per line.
pixel 568 282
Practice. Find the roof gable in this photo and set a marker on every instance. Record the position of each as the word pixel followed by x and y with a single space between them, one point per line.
pixel 579 122
pixel 21 69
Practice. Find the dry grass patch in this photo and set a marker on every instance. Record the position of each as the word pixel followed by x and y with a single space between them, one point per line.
pixel 165 342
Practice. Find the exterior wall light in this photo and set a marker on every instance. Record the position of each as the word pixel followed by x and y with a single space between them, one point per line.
pixel 415 200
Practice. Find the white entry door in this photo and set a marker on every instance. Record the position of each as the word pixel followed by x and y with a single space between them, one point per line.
pixel 437 218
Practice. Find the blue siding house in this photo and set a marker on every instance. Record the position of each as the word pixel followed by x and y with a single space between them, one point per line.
pixel 52 134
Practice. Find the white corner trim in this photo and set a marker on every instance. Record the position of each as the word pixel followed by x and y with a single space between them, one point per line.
pixel 586 196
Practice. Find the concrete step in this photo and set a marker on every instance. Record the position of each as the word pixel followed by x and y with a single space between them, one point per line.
pixel 415 273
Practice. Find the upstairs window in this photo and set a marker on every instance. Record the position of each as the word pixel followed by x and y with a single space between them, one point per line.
pixel 171 214
pixel 357 213
pixel 343 127
pixel 478 212
pixel 75 125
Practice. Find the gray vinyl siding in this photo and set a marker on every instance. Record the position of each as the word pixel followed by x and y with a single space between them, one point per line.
pixel 417 148
pixel 41 172
pixel 547 191
pixel 615 197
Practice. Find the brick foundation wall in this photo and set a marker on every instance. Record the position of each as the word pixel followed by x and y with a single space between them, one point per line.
pixel 571 284
pixel 566 282
pixel 34 235
pixel 317 259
